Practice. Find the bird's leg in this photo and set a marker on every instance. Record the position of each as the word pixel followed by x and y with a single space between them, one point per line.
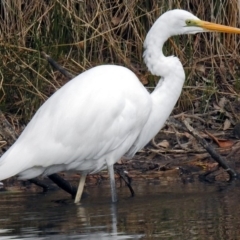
pixel 112 183
pixel 80 188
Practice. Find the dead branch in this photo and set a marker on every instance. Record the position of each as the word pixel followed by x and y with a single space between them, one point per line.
pixel 218 158
pixel 57 66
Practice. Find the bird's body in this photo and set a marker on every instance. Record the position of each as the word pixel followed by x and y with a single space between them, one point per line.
pixel 99 121
pixel 105 112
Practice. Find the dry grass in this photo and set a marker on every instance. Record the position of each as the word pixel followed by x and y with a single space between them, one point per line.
pixel 80 34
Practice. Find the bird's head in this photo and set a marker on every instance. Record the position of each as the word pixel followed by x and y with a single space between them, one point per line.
pixel 176 22
pixel 171 23
pixel 183 22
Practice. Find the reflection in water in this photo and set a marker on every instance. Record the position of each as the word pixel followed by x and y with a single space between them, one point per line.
pixel 175 211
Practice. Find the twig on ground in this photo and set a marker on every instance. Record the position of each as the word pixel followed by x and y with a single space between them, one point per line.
pixel 124 175
pixel 62 183
pixel 39 183
pixel 235 150
pixel 197 116
pixel 218 158
pixel 178 140
pixel 57 66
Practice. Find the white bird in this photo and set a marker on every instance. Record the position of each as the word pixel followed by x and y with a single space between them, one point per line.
pixel 104 113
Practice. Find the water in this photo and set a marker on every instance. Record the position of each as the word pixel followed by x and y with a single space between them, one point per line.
pixel 171 211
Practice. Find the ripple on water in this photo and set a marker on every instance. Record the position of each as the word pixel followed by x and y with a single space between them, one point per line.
pixel 174 211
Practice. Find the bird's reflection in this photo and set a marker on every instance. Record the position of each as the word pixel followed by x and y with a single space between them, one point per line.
pixel 106 231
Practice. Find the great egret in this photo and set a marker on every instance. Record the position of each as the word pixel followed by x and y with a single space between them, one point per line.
pixel 104 113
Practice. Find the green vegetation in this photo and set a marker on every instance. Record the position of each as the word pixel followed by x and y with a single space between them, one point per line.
pixel 81 34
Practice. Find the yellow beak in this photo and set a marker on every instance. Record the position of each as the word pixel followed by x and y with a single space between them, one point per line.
pixel 217 27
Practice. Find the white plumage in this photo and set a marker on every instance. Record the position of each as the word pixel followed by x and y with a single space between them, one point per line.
pixel 105 112
pixel 99 119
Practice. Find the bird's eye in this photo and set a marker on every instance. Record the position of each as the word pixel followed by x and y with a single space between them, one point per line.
pixel 188 22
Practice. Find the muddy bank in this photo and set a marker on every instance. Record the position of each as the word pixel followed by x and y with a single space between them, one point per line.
pixel 144 167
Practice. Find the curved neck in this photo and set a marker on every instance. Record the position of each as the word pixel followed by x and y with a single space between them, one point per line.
pixel 167 91
pixel 153 44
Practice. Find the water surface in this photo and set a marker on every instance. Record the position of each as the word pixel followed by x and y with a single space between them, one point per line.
pixel 169 211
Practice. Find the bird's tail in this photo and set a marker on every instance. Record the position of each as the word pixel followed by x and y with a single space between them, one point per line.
pixel 11 164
